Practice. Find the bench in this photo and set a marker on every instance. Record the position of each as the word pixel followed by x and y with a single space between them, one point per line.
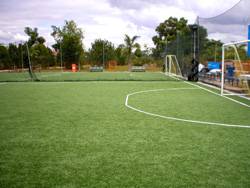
pixel 138 69
pixel 96 69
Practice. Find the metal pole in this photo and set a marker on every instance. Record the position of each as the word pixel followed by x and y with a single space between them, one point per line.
pixel 248 44
pixel 215 58
pixel 79 66
pixel 222 70
pixel 194 46
pixel 103 54
pixel 21 45
pixel 177 45
pixel 12 60
pixel 61 55
pixel 198 39
pixel 170 65
pixel 79 63
pixel 166 64
pixel 30 66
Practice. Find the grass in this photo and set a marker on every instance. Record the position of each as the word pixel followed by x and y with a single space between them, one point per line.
pixel 86 76
pixel 80 134
pixel 14 76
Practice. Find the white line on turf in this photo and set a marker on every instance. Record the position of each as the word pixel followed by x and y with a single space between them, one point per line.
pixel 241 103
pixel 214 87
pixel 174 118
pixel 3 83
pixel 50 75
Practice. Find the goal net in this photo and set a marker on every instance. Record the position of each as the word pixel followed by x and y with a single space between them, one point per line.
pixel 172 67
pixel 235 69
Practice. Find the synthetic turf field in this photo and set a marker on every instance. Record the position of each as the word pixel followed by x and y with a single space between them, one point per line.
pixel 85 76
pixel 81 134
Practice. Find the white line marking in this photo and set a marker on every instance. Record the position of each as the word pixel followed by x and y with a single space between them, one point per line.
pixel 241 103
pixel 49 75
pixel 214 87
pixel 177 119
pixel 3 83
pixel 94 81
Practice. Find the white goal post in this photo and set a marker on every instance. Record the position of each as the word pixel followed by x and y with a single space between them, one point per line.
pixel 240 74
pixel 172 67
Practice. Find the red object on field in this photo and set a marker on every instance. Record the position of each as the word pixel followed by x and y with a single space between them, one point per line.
pixel 73 67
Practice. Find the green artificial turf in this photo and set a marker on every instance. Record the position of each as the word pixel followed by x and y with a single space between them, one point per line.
pixel 80 134
pixel 14 76
pixel 85 76
pixel 102 76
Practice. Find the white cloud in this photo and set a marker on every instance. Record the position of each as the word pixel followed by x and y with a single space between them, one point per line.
pixel 106 19
pixel 20 37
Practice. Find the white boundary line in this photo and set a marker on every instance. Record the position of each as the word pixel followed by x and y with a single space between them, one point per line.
pixel 3 83
pixel 49 75
pixel 177 119
pixel 241 103
pixel 214 87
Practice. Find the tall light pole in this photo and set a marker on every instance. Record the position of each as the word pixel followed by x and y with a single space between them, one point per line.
pixel 78 61
pixel 21 48
pixel 61 54
pixel 103 54
pixel 215 52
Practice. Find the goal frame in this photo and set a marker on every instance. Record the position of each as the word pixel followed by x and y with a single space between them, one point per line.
pixel 169 63
pixel 224 46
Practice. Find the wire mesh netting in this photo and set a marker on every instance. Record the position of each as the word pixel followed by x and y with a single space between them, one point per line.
pixel 36 66
pixel 56 76
pixel 181 50
pixel 228 27
pixel 15 67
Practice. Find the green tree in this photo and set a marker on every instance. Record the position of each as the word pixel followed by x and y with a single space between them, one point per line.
pixel 211 51
pixel 101 51
pixel 232 52
pixel 120 54
pixel 14 55
pixel 33 36
pixel 69 40
pixel 41 56
pixel 138 51
pixel 167 32
pixel 4 57
pixel 22 53
pixel 130 45
pixel 146 57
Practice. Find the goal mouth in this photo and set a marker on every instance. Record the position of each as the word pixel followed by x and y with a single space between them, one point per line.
pixel 172 67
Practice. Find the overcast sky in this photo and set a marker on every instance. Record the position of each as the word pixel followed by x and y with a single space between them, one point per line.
pixel 106 19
